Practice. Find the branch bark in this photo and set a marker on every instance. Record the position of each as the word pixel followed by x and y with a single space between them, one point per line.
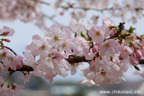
pixel 141 61
pixel 71 59
pixel 85 8
pixel 24 68
pixel 77 59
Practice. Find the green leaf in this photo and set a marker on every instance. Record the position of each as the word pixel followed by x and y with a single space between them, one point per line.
pixel 120 38
pixel 131 29
pixel 142 35
pixel 82 35
pixel 116 28
pixel 88 35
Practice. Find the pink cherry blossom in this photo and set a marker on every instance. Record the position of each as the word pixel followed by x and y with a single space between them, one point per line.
pixel 138 54
pixel 126 51
pixel 107 23
pixel 6 31
pixel 78 28
pixel 134 61
pixel 25 10
pixel 14 90
pixel 97 34
pixel 55 35
pixel 88 54
pixel 109 47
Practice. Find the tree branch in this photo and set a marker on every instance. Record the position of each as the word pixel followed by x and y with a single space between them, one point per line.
pixel 51 19
pixel 76 59
pixel 71 59
pixel 10 50
pixel 24 68
pixel 84 8
pixel 121 27
pixel 141 61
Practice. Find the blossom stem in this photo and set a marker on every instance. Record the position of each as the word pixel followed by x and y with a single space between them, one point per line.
pixel 84 8
pixel 10 50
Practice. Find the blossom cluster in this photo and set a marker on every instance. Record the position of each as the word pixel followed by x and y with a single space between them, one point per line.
pixel 25 10
pixel 109 50
pixel 8 61
pixel 127 10
pixel 30 10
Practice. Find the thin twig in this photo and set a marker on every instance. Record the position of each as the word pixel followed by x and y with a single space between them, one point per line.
pixel 84 8
pixel 42 2
pixel 51 18
pixel 10 50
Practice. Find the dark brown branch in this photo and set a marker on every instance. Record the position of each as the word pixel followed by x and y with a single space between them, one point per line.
pixel 141 61
pixel 121 27
pixel 24 68
pixel 10 50
pixel 76 59
pixel 42 2
pixel 84 8
pixel 71 59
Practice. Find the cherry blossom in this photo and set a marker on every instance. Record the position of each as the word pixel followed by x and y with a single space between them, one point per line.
pixel 109 47
pixel 97 34
pixel 126 51
pixel 14 90
pixel 109 50
pixel 26 10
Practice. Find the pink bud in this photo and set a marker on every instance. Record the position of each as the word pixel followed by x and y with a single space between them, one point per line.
pixel 94 49
pixel 19 66
pixel 6 33
pixel 134 61
pixel 7 40
pixel 70 4
pixel 62 12
pixel 138 54
pixel 120 58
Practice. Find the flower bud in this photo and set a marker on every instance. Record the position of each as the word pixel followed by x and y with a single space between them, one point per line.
pixel 70 4
pixel 19 66
pixel 138 54
pixel 6 33
pixel 94 49
pixel 62 12
pixel 6 40
pixel 120 58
